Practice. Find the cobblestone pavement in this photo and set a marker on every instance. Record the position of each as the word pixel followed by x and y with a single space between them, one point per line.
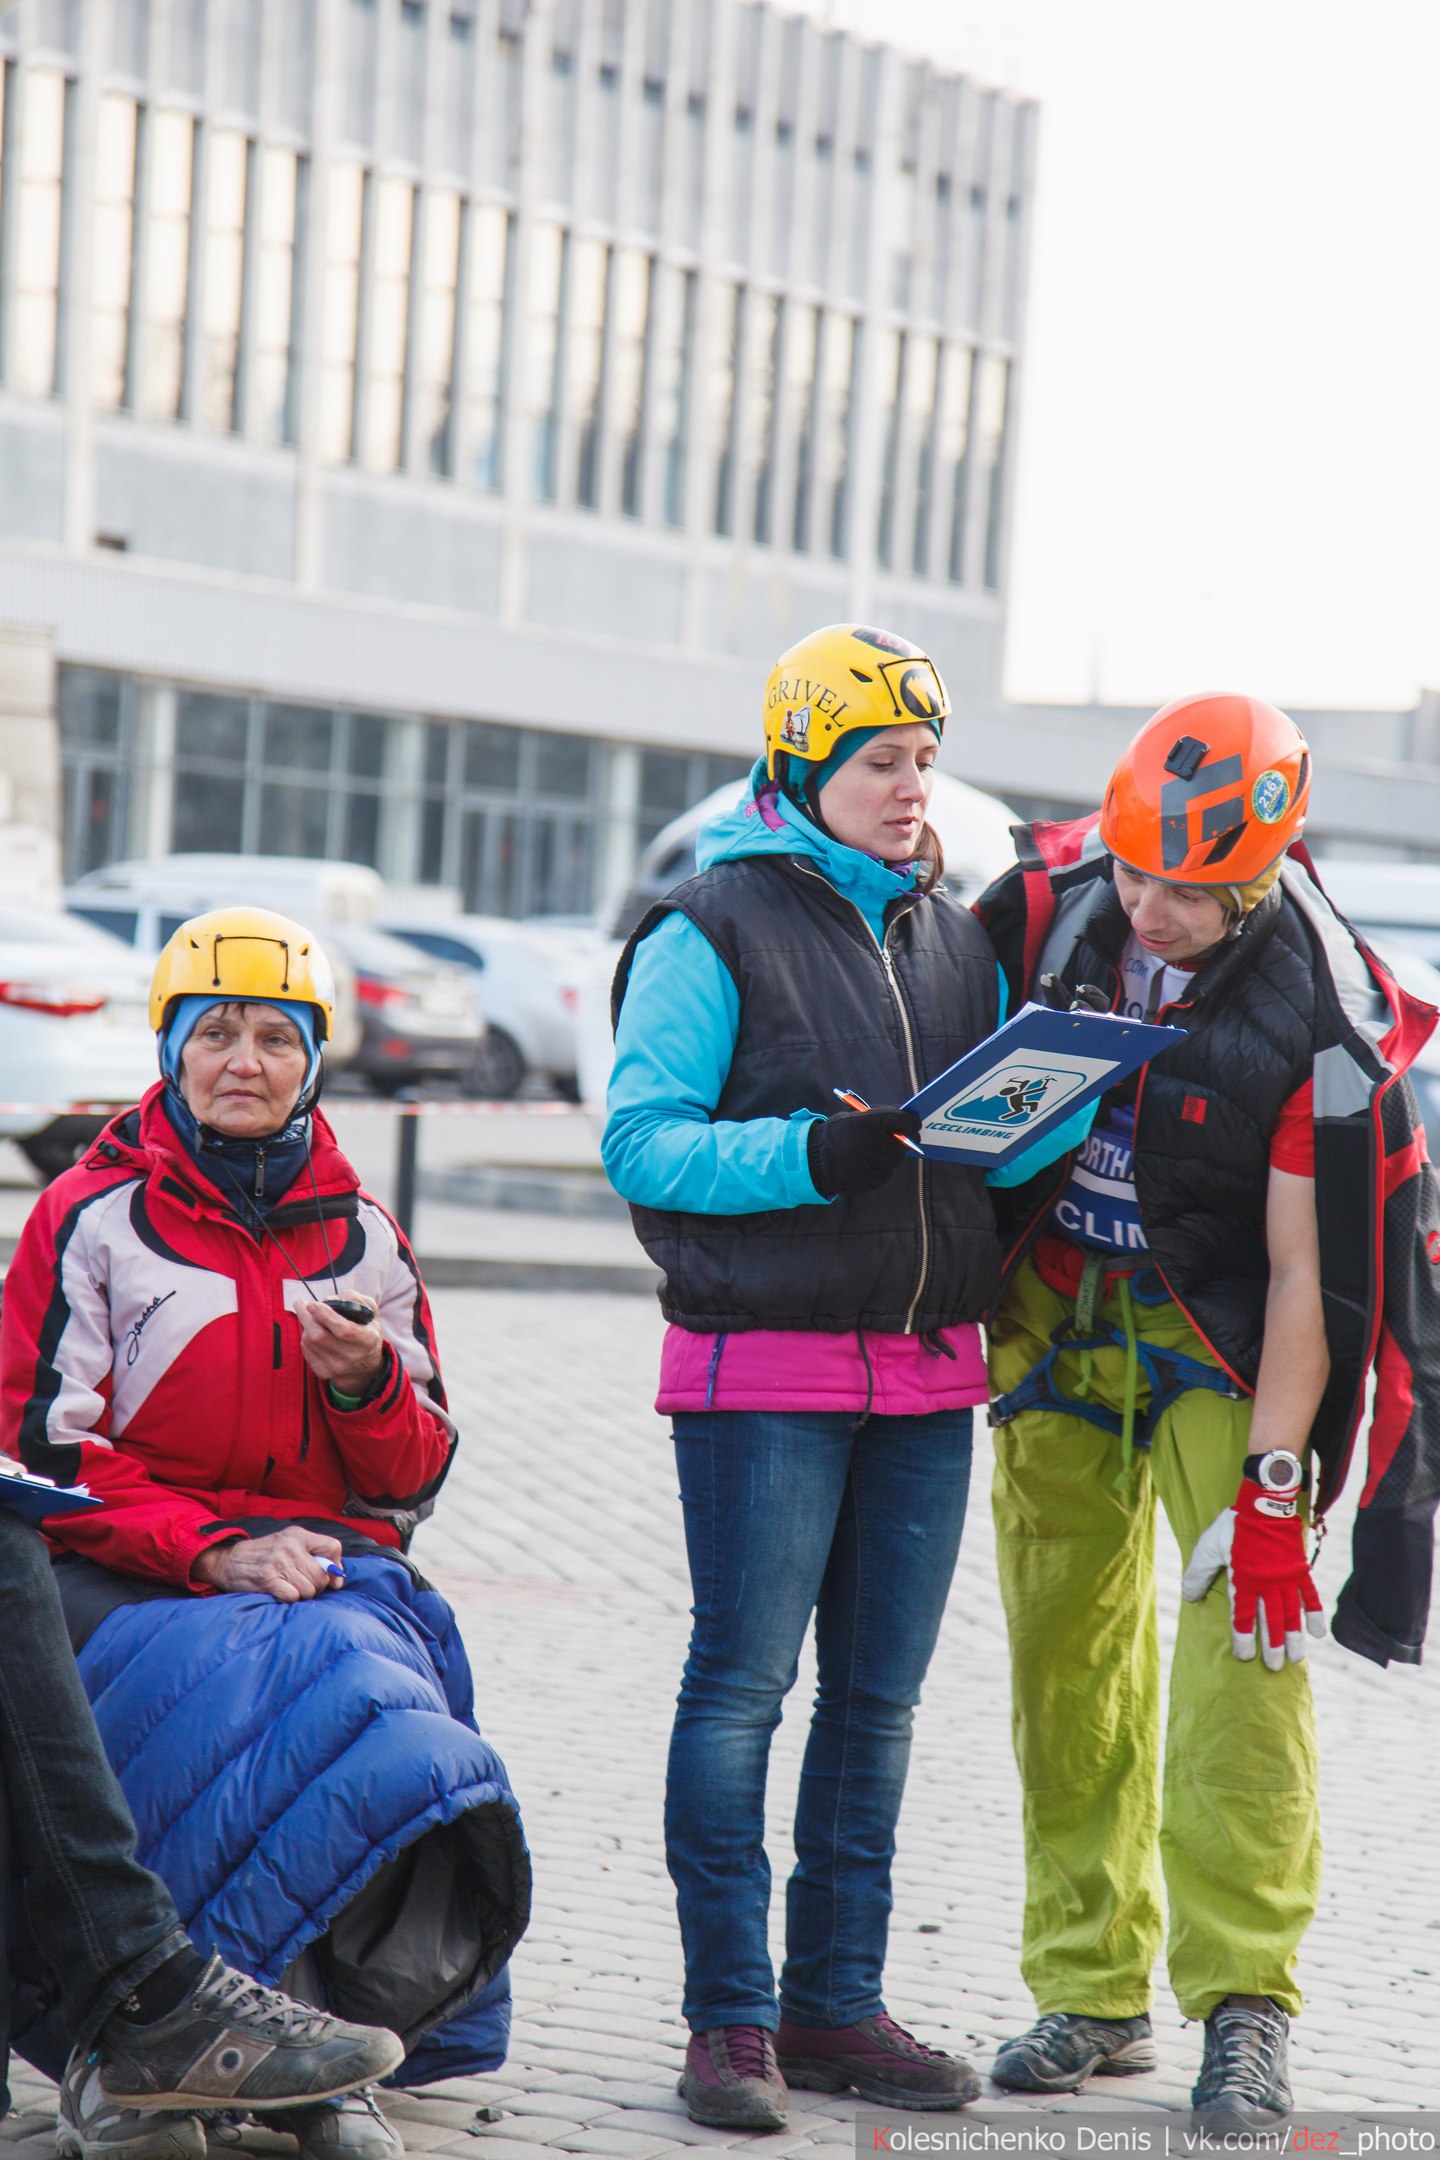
pixel 558 1539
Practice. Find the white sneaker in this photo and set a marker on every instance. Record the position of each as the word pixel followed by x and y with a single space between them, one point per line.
pixel 351 2128
pixel 90 2127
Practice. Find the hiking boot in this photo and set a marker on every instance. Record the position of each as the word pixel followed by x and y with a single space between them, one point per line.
pixel 90 2127
pixel 352 2128
pixel 1244 2079
pixel 1062 2052
pixel 232 2042
pixel 730 2079
pixel 879 2059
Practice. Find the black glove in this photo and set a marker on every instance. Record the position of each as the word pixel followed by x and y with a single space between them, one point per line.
pixel 856 1150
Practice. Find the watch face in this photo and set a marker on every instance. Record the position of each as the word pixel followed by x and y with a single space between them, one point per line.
pixel 1280 1471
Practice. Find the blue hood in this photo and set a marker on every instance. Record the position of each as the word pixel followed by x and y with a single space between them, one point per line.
pixel 768 823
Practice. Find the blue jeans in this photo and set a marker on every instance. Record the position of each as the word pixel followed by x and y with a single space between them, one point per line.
pixel 789 1513
pixel 102 1922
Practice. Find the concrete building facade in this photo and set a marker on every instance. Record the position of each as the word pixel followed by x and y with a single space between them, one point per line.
pixel 421 421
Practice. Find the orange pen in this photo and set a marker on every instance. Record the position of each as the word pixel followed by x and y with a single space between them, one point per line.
pixel 858 1102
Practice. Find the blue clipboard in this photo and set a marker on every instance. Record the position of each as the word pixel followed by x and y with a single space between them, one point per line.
pixel 1032 1073
pixel 35 1498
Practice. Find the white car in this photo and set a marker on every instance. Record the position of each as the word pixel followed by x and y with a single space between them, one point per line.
pixel 75 1040
pixel 973 830
pixel 528 984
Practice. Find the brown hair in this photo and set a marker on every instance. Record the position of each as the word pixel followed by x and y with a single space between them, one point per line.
pixel 931 858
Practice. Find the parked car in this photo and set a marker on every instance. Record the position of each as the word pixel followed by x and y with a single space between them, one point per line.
pixel 144 904
pixel 74 1030
pixel 973 829
pixel 529 976
pixel 420 1018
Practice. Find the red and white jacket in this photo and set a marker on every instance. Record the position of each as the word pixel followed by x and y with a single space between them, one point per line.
pixel 149 1347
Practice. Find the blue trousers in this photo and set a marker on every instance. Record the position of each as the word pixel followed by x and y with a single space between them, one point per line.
pixel 789 1513
pixel 102 1922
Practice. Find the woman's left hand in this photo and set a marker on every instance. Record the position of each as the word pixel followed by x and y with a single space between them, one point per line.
pixel 339 1350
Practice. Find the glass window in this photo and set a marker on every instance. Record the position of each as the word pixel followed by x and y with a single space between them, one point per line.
pixel 921 396
pixel 207 814
pixel 167 266
pixel 116 139
pixel 185 61
pixel 362 36
pixel 227 187
pixel 585 353
pixel 212 728
pixel 437 326
pixel 802 366
pixel 389 325
pixel 672 393
pixel 952 454
pixel 283 175
pixel 296 72
pixel 298 737
pixel 37 280
pixel 437 752
pixel 360 832
pixel 410 81
pixel 892 375
pixel 122 923
pixel 491 229
pixel 543 371
pixel 723 402
pixel 492 756
pixel 842 352
pixel 664 786
pixel 346 222
pixel 458 68
pixel 293 820
pixel 239 56
pixel 365 755
pixel 89 703
pixel 635 277
pixel 563 767
pixel 766 329
pixel 992 399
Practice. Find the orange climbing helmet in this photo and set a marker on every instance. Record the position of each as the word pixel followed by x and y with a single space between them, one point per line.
pixel 1211 792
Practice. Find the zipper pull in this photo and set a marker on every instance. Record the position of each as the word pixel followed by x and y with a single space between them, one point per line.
pixel 259 1173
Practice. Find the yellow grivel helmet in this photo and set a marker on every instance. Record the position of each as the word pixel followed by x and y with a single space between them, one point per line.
pixel 243 952
pixel 846 677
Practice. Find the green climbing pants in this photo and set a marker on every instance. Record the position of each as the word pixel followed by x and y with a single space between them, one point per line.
pixel 1237 1827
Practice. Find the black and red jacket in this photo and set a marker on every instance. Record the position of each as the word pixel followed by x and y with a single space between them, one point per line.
pixel 149 1348
pixel 1297 996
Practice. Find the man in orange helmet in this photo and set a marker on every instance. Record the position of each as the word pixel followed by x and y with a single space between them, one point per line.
pixel 1190 1309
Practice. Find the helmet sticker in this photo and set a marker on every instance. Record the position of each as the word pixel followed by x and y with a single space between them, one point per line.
pixel 884 642
pixel 1270 797
pixel 795 729
pixel 920 693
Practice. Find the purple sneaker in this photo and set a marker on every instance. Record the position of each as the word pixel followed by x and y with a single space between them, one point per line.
pixel 879 2059
pixel 730 2079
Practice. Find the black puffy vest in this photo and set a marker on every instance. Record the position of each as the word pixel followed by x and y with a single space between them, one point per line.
pixel 819 1009
pixel 1205 1114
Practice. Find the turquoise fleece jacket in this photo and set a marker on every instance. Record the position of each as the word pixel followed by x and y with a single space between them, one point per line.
pixel 662 1147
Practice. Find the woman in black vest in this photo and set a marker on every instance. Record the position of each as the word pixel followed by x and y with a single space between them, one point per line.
pixel 1180 1322
pixel 823 1286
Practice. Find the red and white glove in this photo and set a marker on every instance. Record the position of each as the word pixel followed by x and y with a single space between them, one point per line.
pixel 1260 1542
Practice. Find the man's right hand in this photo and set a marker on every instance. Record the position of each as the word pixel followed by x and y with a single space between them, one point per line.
pixel 287 1564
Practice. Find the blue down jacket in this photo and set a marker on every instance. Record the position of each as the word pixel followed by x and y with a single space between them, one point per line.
pixel 311 1777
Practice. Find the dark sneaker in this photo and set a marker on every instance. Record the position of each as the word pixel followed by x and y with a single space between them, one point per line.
pixel 349 2129
pixel 90 2127
pixel 730 2079
pixel 1063 2050
pixel 231 2042
pixel 878 2059
pixel 1244 2081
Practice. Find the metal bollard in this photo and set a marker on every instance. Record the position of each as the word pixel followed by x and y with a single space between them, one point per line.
pixel 405 1153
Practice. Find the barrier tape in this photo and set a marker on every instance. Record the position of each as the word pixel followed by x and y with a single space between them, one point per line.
pixel 362 1105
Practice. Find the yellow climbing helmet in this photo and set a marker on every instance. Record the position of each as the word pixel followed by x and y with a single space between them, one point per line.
pixel 244 952
pixel 846 677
